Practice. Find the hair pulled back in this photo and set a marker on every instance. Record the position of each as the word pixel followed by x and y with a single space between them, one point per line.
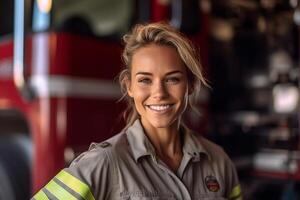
pixel 160 34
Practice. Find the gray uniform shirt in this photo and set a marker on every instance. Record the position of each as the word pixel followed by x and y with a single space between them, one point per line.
pixel 126 167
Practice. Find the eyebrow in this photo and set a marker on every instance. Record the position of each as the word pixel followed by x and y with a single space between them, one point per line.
pixel 150 74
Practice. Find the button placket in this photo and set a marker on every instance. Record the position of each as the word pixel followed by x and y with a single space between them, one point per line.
pixel 186 194
pixel 185 161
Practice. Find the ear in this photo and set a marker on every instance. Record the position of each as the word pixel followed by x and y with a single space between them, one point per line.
pixel 128 87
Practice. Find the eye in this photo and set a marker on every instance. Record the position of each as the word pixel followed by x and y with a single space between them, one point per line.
pixel 172 80
pixel 144 80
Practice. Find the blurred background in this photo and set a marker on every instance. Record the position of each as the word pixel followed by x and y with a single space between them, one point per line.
pixel 58 92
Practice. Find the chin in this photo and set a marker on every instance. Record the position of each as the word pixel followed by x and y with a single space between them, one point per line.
pixel 162 123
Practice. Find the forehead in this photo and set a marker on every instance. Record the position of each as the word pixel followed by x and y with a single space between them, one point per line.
pixel 157 58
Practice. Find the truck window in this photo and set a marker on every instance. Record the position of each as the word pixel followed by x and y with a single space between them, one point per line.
pixel 96 17
pixel 6 17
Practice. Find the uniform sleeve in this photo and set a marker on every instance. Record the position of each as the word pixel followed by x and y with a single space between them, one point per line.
pixel 234 189
pixel 89 177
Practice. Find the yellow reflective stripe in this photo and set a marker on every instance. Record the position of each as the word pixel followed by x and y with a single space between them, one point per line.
pixel 40 196
pixel 240 198
pixel 59 192
pixel 75 184
pixel 236 191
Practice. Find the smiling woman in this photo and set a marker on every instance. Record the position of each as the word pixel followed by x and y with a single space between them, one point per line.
pixel 155 156
pixel 166 37
pixel 158 86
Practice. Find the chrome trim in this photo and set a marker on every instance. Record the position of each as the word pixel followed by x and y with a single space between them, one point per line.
pixel 19 42
pixel 67 86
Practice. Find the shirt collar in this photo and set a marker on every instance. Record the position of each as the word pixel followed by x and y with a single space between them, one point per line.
pixel 141 146
pixel 192 144
pixel 138 141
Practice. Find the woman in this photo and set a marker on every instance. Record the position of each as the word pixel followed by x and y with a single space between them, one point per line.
pixel 155 156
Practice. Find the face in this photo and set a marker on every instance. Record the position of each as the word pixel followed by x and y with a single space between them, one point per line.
pixel 158 86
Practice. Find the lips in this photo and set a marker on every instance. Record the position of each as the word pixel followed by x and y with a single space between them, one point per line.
pixel 160 107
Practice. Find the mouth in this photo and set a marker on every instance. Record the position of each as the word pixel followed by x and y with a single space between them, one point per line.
pixel 160 108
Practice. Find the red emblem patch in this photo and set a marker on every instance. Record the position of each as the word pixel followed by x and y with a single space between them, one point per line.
pixel 212 184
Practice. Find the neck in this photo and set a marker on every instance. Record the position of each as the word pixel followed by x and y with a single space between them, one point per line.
pixel 166 141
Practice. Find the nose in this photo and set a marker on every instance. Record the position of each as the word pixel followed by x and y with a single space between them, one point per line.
pixel 159 90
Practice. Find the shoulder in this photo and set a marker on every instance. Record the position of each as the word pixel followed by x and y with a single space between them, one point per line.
pixel 101 158
pixel 112 146
pixel 215 151
pixel 104 152
pixel 211 147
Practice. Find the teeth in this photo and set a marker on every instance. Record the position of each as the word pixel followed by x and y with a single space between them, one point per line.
pixel 159 107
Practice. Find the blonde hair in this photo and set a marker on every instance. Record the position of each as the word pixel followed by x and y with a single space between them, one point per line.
pixel 160 34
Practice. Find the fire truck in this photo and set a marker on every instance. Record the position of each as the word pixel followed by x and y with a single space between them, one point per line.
pixel 58 92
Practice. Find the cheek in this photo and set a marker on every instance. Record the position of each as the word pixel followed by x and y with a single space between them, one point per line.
pixel 139 98
pixel 180 93
pixel 139 95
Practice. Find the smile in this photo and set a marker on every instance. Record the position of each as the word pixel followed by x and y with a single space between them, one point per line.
pixel 160 108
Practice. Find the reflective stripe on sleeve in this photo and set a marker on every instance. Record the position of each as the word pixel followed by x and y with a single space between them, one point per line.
pixel 40 196
pixel 58 191
pixel 235 192
pixel 75 184
pixel 239 198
